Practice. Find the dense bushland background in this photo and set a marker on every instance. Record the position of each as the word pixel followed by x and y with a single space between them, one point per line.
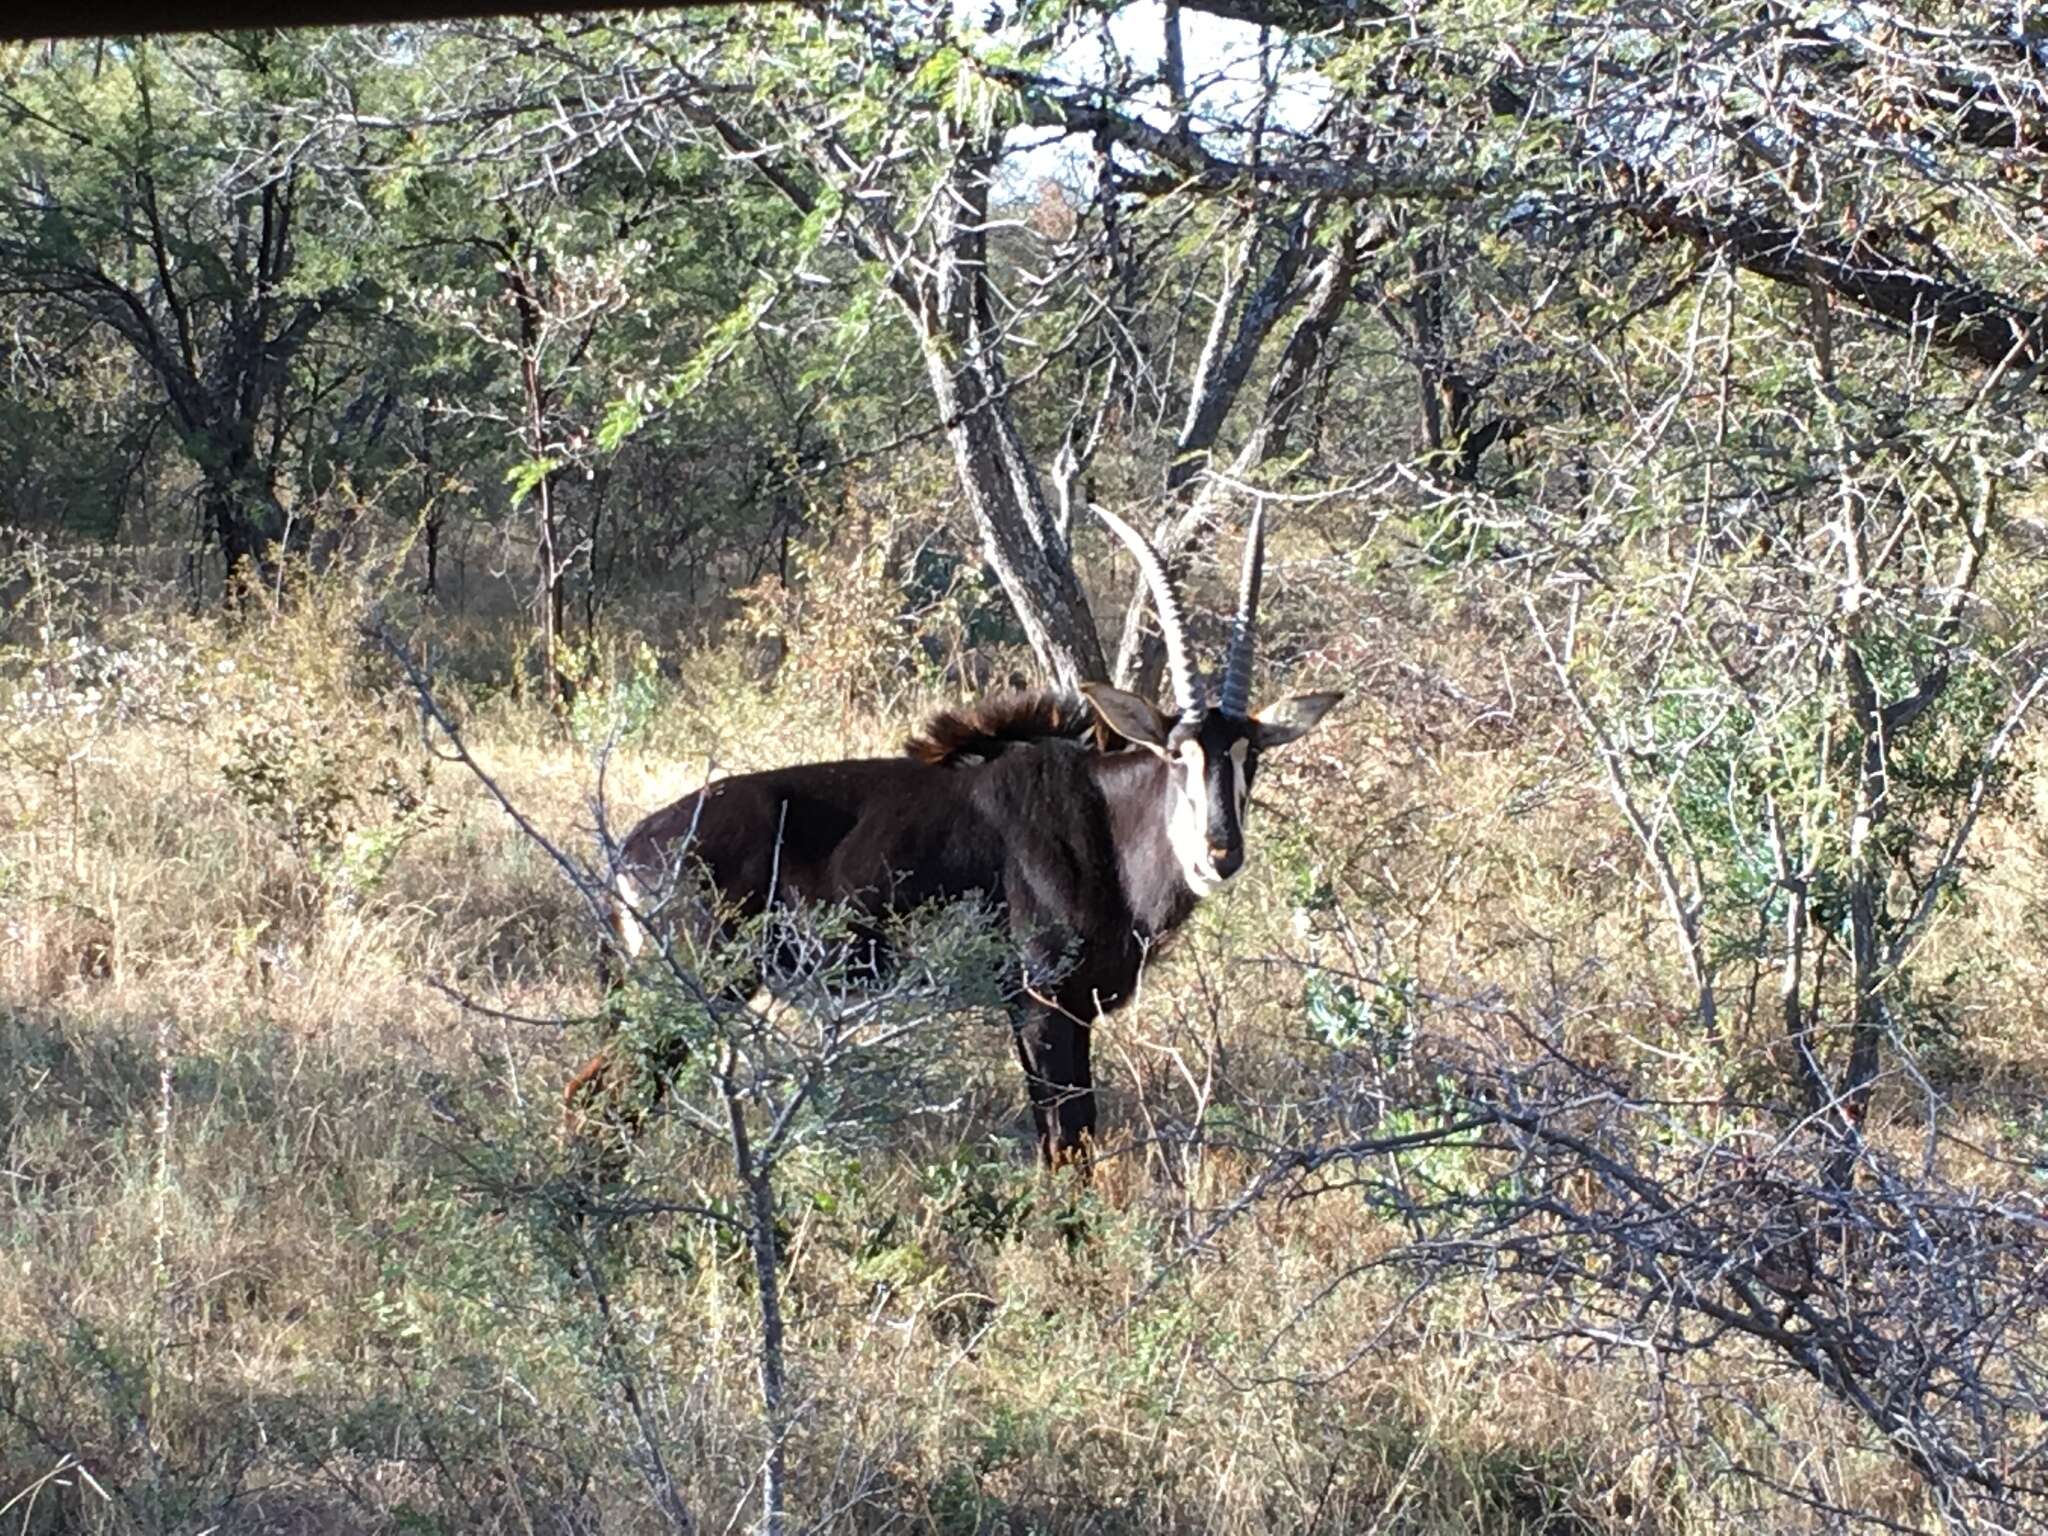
pixel 1611 1099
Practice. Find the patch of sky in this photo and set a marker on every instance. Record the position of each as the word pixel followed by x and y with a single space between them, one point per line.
pixel 1225 84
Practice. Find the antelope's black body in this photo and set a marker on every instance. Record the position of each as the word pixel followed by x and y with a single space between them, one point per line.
pixel 989 808
pixel 1092 827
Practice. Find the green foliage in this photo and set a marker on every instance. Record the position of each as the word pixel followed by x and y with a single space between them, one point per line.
pixel 980 1193
pixel 1379 1019
pixel 525 477
pixel 1722 785
pixel 345 812
pixel 183 265
pixel 619 692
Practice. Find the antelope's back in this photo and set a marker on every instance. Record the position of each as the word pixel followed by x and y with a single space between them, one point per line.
pixel 879 832
pixel 773 831
pixel 972 828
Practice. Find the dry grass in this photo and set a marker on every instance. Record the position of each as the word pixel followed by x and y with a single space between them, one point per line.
pixel 259 1269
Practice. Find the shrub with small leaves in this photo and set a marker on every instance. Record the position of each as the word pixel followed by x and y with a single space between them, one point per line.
pixel 345 814
pixel 1378 1019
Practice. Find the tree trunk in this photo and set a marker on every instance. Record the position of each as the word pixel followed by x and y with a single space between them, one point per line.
pixel 430 586
pixel 1025 546
pixel 757 1177
pixel 551 601
pixel 1141 653
pixel 1865 881
pixel 1033 564
pixel 252 528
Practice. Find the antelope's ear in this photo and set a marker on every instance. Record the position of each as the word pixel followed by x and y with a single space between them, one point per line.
pixel 1136 720
pixel 1280 723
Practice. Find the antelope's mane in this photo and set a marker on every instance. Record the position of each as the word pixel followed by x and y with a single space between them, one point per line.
pixel 987 727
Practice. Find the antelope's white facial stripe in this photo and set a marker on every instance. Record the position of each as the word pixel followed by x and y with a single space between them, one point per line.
pixel 1187 826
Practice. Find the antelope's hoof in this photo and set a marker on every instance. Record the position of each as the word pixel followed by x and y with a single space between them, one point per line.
pixel 1080 1157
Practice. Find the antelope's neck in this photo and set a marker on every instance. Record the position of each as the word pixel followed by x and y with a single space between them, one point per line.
pixel 1137 789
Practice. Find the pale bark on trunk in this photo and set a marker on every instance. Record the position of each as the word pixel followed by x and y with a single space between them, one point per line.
pixel 1031 560
pixel 1192 496
pixel 939 274
pixel 1023 540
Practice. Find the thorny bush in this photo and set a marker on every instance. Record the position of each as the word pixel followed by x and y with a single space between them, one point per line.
pixel 1601 1215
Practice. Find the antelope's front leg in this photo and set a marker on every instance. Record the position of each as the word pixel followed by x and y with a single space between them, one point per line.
pixel 1053 1047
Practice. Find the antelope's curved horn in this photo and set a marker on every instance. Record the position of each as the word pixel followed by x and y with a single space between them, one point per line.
pixel 1244 629
pixel 1187 693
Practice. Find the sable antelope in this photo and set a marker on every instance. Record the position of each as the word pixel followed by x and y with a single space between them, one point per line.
pixel 1093 829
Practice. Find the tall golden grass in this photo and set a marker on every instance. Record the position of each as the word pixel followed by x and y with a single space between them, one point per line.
pixel 268 1260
